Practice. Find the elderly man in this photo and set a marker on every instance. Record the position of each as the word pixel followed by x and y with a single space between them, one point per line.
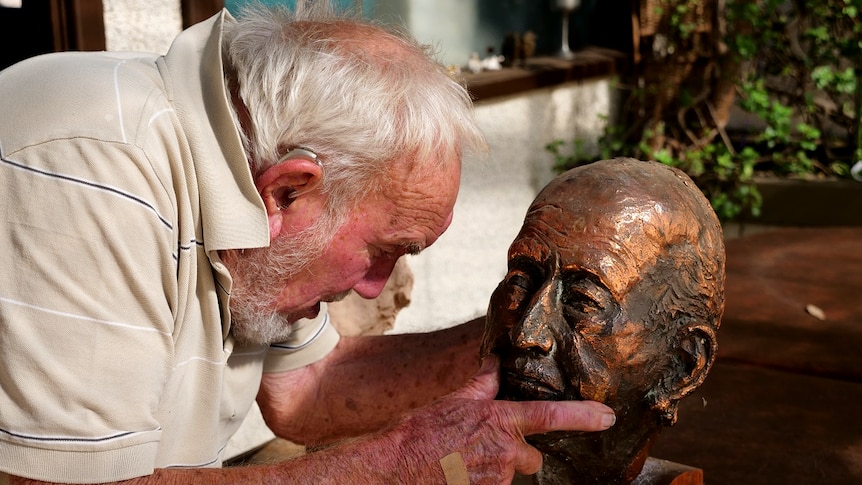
pixel 172 227
pixel 614 293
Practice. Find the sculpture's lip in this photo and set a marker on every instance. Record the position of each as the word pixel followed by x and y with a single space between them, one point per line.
pixel 522 387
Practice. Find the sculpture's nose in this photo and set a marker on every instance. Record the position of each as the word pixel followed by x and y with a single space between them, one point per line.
pixel 534 329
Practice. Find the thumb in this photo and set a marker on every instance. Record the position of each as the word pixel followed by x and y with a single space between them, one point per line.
pixel 485 384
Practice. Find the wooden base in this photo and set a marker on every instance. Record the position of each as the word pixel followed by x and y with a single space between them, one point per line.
pixel 663 472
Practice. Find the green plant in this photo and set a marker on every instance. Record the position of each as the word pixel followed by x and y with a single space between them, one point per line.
pixel 726 178
pixel 794 66
pixel 801 64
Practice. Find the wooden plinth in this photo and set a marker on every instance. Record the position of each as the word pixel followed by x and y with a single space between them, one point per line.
pixel 664 472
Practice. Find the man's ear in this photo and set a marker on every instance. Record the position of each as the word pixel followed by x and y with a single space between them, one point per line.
pixel 281 184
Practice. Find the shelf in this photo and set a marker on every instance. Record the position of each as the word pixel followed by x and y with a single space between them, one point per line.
pixel 543 72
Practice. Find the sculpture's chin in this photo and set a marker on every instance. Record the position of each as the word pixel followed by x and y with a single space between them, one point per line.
pixel 611 457
pixel 580 458
pixel 580 442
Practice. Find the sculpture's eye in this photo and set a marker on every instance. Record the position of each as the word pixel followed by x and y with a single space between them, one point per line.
pixel 520 285
pixel 518 281
pixel 588 305
pixel 581 303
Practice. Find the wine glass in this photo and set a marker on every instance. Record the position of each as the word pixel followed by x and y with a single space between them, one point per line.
pixel 566 7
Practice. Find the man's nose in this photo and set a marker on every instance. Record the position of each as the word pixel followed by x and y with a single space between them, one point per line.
pixel 534 329
pixel 371 285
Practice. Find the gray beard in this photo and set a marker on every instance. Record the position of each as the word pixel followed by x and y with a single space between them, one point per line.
pixel 252 326
pixel 257 278
pixel 249 326
pixel 258 275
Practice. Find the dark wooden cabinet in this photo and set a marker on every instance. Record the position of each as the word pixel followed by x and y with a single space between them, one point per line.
pixel 40 26
pixel 196 10
pixel 43 26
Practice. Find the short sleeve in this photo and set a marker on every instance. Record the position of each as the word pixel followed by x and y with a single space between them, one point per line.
pixel 310 341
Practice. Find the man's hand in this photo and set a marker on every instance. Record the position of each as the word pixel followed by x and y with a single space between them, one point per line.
pixel 487 434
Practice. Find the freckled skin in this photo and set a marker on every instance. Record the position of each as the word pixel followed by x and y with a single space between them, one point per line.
pixel 581 314
pixel 411 211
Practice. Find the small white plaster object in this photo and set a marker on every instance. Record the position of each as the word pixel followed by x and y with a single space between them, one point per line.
pixel 492 63
pixel 474 64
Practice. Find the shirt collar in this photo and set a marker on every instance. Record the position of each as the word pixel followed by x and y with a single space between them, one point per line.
pixel 232 212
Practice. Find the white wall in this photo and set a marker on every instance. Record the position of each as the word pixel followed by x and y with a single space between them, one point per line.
pixel 449 25
pixel 455 277
pixel 141 25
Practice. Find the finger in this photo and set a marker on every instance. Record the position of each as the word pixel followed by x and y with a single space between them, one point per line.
pixel 545 416
pixel 528 461
pixel 484 384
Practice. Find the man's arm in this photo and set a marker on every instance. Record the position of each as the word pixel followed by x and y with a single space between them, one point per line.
pixel 366 382
pixel 485 436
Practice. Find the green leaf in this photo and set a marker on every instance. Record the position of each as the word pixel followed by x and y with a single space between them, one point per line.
pixel 822 76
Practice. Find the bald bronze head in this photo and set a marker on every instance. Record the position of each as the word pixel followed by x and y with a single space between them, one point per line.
pixel 614 293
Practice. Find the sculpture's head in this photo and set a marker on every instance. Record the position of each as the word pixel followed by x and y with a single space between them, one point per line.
pixel 614 293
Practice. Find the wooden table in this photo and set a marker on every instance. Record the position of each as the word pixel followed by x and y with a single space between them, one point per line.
pixel 783 405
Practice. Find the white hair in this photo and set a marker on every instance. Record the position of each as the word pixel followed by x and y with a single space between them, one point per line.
pixel 366 99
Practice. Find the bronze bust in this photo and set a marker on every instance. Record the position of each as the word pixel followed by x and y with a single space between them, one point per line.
pixel 614 293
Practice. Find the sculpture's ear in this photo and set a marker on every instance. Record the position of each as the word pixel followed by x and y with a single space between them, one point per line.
pixel 695 354
pixel 697 351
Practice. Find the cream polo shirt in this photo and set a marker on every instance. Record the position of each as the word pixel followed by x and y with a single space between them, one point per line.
pixel 121 176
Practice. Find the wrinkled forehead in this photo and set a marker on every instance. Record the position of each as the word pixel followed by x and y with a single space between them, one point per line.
pixel 614 239
pixel 615 218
